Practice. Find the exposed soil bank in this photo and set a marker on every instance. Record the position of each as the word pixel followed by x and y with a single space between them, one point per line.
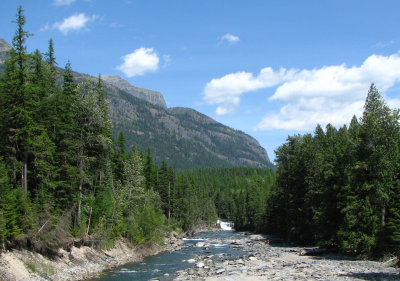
pixel 77 264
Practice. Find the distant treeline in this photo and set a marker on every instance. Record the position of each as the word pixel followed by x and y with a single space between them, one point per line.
pixel 239 194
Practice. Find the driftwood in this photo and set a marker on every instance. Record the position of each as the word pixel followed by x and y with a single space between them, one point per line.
pixel 314 251
pixel 392 260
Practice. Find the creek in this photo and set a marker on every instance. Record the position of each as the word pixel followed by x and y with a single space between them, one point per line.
pixel 164 265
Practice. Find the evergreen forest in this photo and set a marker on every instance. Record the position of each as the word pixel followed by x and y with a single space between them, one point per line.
pixel 341 187
pixel 67 176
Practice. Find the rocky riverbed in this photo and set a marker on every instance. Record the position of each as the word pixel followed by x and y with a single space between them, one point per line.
pixel 281 262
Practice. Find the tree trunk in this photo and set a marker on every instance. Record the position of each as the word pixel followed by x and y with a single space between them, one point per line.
pixel 25 173
pixel 80 189
pixel 383 211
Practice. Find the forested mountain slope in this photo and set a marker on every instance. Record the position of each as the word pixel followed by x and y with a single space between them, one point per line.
pixel 183 137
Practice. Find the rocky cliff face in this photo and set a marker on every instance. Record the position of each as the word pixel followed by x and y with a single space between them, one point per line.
pixel 4 48
pixel 144 94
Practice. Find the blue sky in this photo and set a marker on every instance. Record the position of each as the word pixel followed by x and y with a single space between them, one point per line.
pixel 268 68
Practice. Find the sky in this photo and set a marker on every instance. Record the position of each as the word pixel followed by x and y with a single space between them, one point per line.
pixel 268 68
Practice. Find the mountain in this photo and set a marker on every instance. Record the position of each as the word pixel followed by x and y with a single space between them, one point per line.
pixel 183 137
pixel 145 94
pixel 4 48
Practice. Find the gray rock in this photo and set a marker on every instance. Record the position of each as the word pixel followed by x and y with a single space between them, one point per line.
pixel 153 97
pixel 200 244
pixel 200 264
pixel 191 271
pixel 220 271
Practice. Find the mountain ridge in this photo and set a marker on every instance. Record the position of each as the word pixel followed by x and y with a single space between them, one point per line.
pixel 151 96
pixel 180 136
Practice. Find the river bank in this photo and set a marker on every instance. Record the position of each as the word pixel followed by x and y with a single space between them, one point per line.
pixel 78 263
pixel 260 261
pixel 281 262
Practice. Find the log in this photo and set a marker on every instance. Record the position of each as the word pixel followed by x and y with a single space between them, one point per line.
pixel 314 251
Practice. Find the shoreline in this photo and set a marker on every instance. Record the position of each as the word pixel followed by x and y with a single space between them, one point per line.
pixel 85 262
pixel 279 261
pixel 81 263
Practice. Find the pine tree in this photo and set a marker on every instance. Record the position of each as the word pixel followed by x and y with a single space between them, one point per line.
pixel 51 62
pixel 64 132
pixel 17 105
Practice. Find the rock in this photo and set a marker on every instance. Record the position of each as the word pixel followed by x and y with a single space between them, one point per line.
pixel 220 271
pixel 153 97
pixel 191 271
pixel 200 244
pixel 200 264
pixel 191 260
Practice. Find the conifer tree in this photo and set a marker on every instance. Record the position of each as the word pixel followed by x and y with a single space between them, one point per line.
pixel 51 62
pixel 17 104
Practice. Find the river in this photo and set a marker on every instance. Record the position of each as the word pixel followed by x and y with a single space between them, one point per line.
pixel 164 265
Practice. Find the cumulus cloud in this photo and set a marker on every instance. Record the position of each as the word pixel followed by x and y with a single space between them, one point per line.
pixel 231 39
pixel 305 114
pixel 330 94
pixel 73 23
pixel 139 62
pixel 63 2
pixel 228 89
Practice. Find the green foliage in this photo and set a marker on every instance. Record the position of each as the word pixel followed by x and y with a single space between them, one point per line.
pixel 340 187
pixel 155 129
pixel 58 133
pixel 237 194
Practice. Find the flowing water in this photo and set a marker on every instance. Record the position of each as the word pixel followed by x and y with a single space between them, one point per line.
pixel 215 245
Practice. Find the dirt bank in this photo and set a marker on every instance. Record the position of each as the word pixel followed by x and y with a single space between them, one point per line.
pixel 77 264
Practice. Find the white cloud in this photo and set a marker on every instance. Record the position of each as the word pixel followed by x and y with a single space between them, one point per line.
pixel 63 2
pixel 305 114
pixel 228 89
pixel 73 23
pixel 139 62
pixel 231 39
pixel 394 103
pixel 330 94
